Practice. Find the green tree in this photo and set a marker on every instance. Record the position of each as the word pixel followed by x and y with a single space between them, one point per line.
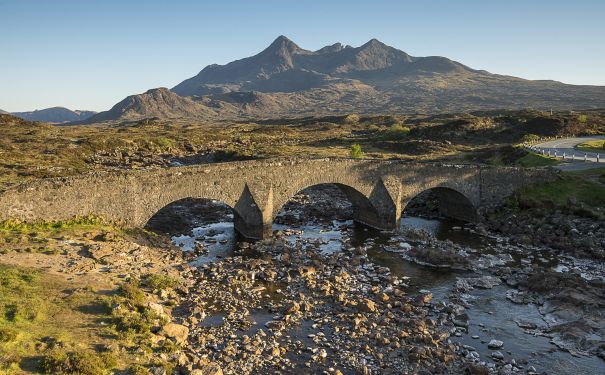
pixel 356 151
pixel 582 119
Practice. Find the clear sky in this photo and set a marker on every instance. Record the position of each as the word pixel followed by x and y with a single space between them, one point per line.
pixel 85 54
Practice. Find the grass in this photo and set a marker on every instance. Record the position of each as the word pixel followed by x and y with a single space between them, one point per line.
pixel 83 362
pixel 132 319
pixel 396 132
pixel 37 315
pixel 157 281
pixel 47 326
pixel 559 193
pixel 22 299
pixel 15 231
pixel 592 146
pixel 356 152
pixel 536 160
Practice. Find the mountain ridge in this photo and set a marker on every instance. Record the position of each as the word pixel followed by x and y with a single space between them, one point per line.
pixel 286 80
pixel 55 115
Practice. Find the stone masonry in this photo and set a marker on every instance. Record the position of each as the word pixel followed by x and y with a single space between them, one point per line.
pixel 256 190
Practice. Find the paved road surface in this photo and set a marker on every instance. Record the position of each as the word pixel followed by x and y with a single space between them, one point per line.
pixel 574 159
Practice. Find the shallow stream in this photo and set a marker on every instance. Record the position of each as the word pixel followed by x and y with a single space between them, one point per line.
pixel 491 314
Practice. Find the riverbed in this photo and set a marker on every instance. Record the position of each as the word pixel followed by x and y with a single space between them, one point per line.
pixel 489 313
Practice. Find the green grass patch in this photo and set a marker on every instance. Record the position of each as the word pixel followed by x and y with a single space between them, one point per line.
pixel 22 298
pixel 157 281
pixel 559 193
pixel 164 143
pixel 536 160
pixel 355 151
pixel 396 132
pixel 592 146
pixel 132 319
pixel 83 362
pixel 39 312
pixel 11 230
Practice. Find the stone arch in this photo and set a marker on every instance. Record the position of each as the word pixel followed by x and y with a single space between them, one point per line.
pixel 451 201
pixel 187 212
pixel 247 217
pixel 368 208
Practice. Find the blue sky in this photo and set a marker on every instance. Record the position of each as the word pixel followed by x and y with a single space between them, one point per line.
pixel 85 54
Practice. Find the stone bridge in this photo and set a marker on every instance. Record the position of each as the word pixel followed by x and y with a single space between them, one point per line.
pixel 256 190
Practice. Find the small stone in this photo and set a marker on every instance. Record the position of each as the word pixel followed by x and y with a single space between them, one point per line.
pixel 498 355
pixel 367 305
pixel 175 331
pixel 495 344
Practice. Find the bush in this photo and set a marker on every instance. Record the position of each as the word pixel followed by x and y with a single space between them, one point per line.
pixel 77 362
pixel 356 151
pixel 132 292
pixel 132 323
pixel 351 119
pixel 156 281
pixel 582 119
pixel 530 138
pixel 396 132
pixel 7 335
pixel 164 143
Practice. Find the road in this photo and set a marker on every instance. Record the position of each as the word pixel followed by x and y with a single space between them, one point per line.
pixel 564 149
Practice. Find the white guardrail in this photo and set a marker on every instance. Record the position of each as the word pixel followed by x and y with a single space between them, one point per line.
pixel 572 155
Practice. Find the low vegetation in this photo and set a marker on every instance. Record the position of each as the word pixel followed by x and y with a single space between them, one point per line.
pixel 593 146
pixel 536 160
pixel 84 362
pixel 356 152
pixel 574 190
pixel 14 233
pixel 30 150
pixel 45 326
pixel 40 318
pixel 157 281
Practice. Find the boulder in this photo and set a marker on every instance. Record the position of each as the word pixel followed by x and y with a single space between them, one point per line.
pixel 176 332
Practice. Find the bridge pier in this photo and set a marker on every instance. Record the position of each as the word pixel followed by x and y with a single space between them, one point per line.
pixel 253 212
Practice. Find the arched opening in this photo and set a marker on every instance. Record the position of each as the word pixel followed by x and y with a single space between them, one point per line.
pixel 443 213
pixel 441 202
pixel 323 216
pixel 203 228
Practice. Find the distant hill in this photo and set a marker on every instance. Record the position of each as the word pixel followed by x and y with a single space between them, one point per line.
pixel 55 115
pixel 159 102
pixel 287 80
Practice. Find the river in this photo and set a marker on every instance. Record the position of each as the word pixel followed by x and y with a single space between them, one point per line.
pixel 491 315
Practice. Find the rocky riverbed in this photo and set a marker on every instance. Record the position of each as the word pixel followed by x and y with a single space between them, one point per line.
pixel 327 296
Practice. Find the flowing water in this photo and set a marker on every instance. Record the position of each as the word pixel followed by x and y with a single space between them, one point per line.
pixel 492 315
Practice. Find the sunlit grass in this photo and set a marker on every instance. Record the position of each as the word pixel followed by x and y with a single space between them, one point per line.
pixel 592 146
pixel 536 160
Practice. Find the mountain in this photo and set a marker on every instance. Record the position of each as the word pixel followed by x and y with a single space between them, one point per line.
pixel 55 115
pixel 159 102
pixel 287 80
pixel 285 67
pixel 3 112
